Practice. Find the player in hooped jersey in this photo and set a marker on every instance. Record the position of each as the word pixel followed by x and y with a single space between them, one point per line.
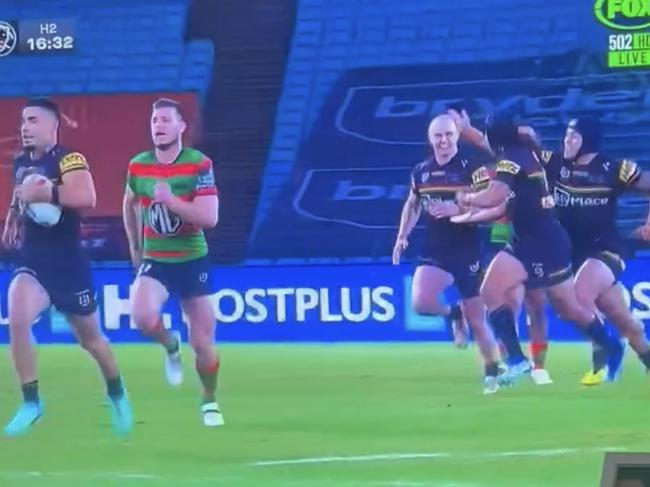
pixel 540 256
pixel 171 196
pixel 451 252
pixel 586 186
pixel 50 267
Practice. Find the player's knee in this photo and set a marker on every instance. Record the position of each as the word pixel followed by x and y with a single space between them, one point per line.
pixel 201 344
pixel 145 320
pixel 94 344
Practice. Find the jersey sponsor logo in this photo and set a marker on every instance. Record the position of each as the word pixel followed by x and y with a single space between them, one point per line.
pixel 145 267
pixel 163 220
pixel 8 39
pixel 548 202
pixel 546 156
pixel 72 161
pixel 564 199
pixel 509 167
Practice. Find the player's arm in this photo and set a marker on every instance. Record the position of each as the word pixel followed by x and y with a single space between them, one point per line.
pixel 408 219
pixel 470 134
pixel 76 190
pixel 132 225
pixel 410 215
pixel 498 189
pixel 203 210
pixel 11 230
pixel 478 215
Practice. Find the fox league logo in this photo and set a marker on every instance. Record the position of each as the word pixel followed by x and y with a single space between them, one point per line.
pixel 162 220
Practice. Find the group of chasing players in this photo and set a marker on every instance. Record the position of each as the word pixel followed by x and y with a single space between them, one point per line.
pixel 564 247
pixel 554 239
pixel 170 197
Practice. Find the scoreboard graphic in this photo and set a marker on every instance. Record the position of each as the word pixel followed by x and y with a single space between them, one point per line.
pixel 37 36
pixel 629 20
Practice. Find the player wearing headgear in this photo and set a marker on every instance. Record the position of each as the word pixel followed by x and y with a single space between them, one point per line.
pixel 171 197
pixel 50 267
pixel 586 187
pixel 540 255
pixel 451 253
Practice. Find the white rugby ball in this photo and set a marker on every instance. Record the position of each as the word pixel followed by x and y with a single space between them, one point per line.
pixel 45 214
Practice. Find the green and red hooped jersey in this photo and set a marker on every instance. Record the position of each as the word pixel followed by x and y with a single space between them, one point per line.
pixel 166 237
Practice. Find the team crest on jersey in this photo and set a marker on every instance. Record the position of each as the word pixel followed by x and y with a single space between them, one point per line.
pixel 509 167
pixel 565 173
pixel 425 177
pixel 163 220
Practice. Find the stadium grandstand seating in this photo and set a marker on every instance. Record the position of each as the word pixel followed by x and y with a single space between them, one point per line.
pixel 119 43
pixel 342 47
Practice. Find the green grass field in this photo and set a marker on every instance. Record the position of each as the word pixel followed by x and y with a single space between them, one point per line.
pixel 295 402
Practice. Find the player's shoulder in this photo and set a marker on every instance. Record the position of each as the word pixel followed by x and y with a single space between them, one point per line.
pixel 145 157
pixel 194 156
pixel 69 159
pixel 422 166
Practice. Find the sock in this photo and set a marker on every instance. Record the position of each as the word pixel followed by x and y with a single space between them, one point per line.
pixel 455 312
pixel 538 351
pixel 208 376
pixel 491 369
pixel 602 337
pixel 505 328
pixel 166 339
pixel 645 358
pixel 114 387
pixel 30 391
pixel 598 358
pixel 503 351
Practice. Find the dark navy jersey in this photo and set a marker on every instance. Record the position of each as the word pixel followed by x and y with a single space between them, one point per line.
pixel 432 182
pixel 586 196
pixel 64 238
pixel 530 203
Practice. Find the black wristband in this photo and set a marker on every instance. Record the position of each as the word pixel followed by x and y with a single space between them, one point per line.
pixel 55 194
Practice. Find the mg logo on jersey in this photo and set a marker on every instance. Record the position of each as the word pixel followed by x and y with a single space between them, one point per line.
pixel 163 220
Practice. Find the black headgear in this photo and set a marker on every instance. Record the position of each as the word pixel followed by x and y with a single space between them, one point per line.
pixel 591 131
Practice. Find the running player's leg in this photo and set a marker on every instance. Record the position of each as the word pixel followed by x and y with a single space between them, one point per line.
pixel 201 319
pixel 612 304
pixel 27 300
pixel 429 283
pixel 565 301
pixel 92 340
pixel 148 297
pixel 536 302
pixel 195 288
pixel 503 282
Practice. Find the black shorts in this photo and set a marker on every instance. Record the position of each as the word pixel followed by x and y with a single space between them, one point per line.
pixel 546 257
pixel 189 279
pixel 67 281
pixel 463 263
pixel 611 258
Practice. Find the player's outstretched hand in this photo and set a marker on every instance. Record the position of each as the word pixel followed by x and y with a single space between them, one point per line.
pixel 162 193
pixel 643 232
pixel 400 246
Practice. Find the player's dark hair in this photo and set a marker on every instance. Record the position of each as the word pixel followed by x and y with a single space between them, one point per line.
pixel 169 103
pixel 46 104
pixel 501 131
